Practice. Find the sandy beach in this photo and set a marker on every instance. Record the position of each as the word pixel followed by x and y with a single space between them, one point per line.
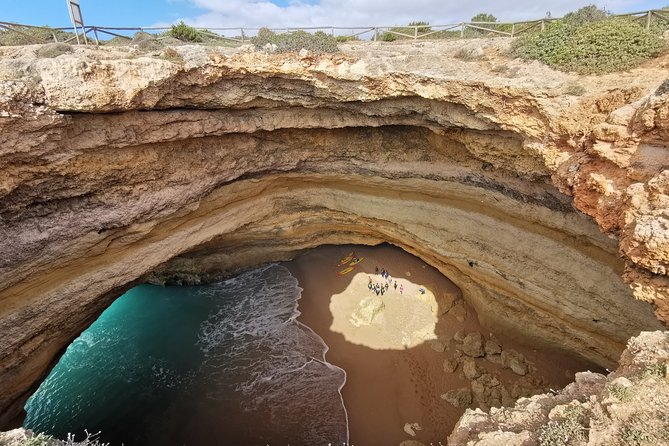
pixel 393 346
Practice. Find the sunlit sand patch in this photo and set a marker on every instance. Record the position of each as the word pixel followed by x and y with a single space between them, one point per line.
pixel 393 320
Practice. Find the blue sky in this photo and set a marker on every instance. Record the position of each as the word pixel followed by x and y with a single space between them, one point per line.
pixel 228 13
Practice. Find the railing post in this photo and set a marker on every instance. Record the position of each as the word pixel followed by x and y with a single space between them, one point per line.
pixel 649 15
pixel 242 32
pixel 543 25
pixel 513 29
pixel 95 33
pixel 415 32
pixel 376 32
pixel 462 30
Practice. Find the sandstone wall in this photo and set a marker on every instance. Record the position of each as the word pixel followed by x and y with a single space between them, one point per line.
pixel 121 167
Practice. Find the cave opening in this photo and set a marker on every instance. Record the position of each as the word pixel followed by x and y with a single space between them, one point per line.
pixel 294 352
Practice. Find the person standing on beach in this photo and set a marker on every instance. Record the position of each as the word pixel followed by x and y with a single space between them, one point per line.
pixel 377 270
pixel 401 288
pixel 396 285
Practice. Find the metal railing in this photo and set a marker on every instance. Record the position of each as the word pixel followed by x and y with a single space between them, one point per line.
pixel 243 35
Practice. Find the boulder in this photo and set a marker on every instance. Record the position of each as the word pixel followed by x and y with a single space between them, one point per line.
pixel 459 397
pixel 438 345
pixel 470 369
pixel 472 345
pixel 450 365
pixel 622 382
pixel 492 347
pixel 459 335
pixel 515 361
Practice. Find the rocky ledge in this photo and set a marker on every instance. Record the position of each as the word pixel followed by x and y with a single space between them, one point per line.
pixel 627 407
pixel 548 210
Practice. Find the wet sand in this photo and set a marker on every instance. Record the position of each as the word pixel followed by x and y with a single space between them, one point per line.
pixel 392 378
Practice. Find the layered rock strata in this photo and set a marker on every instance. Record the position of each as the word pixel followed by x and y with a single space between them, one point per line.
pixel 120 167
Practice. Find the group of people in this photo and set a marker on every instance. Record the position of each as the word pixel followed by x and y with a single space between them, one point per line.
pixel 380 288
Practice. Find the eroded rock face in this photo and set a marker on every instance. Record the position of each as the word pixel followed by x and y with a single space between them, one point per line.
pixel 118 169
pixel 595 409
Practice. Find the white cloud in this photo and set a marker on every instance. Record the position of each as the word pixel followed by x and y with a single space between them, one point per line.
pixel 257 13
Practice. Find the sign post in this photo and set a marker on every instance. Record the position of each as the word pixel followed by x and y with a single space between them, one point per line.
pixel 76 18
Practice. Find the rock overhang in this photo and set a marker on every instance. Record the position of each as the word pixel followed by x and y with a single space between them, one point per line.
pixel 121 168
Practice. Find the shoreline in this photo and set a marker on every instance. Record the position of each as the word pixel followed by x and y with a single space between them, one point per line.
pixel 394 389
pixel 385 389
pixel 324 361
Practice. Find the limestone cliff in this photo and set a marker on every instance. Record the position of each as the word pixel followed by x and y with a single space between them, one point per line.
pixel 549 211
pixel 627 407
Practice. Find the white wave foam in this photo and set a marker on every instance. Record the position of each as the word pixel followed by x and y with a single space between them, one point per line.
pixel 254 343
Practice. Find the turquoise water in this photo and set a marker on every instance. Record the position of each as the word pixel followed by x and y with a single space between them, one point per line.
pixel 225 363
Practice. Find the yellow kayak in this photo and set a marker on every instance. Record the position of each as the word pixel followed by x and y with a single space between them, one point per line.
pixel 346 259
pixel 356 261
pixel 345 271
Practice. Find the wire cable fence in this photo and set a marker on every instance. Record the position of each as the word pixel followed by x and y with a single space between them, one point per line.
pixel 243 35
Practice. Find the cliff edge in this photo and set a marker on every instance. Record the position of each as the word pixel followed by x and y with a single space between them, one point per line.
pixel 543 195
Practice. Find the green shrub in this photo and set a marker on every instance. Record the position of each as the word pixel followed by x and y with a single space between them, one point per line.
pixel 483 17
pixel 145 41
pixel 656 369
pixel 184 33
pixel 32 36
pixel 621 393
pixel 347 38
pixel 470 54
pixel 409 30
pixel 318 42
pixel 635 436
pixel 587 14
pixel 596 47
pixel 390 37
pixel 564 432
pixel 658 24
pixel 425 28
pixel 51 50
pixel 117 41
pixel 574 89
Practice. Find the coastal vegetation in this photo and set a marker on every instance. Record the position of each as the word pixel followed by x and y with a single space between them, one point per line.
pixel 589 41
pixel 185 33
pixel 28 35
pixel 418 28
pixel 319 41
pixel 564 432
